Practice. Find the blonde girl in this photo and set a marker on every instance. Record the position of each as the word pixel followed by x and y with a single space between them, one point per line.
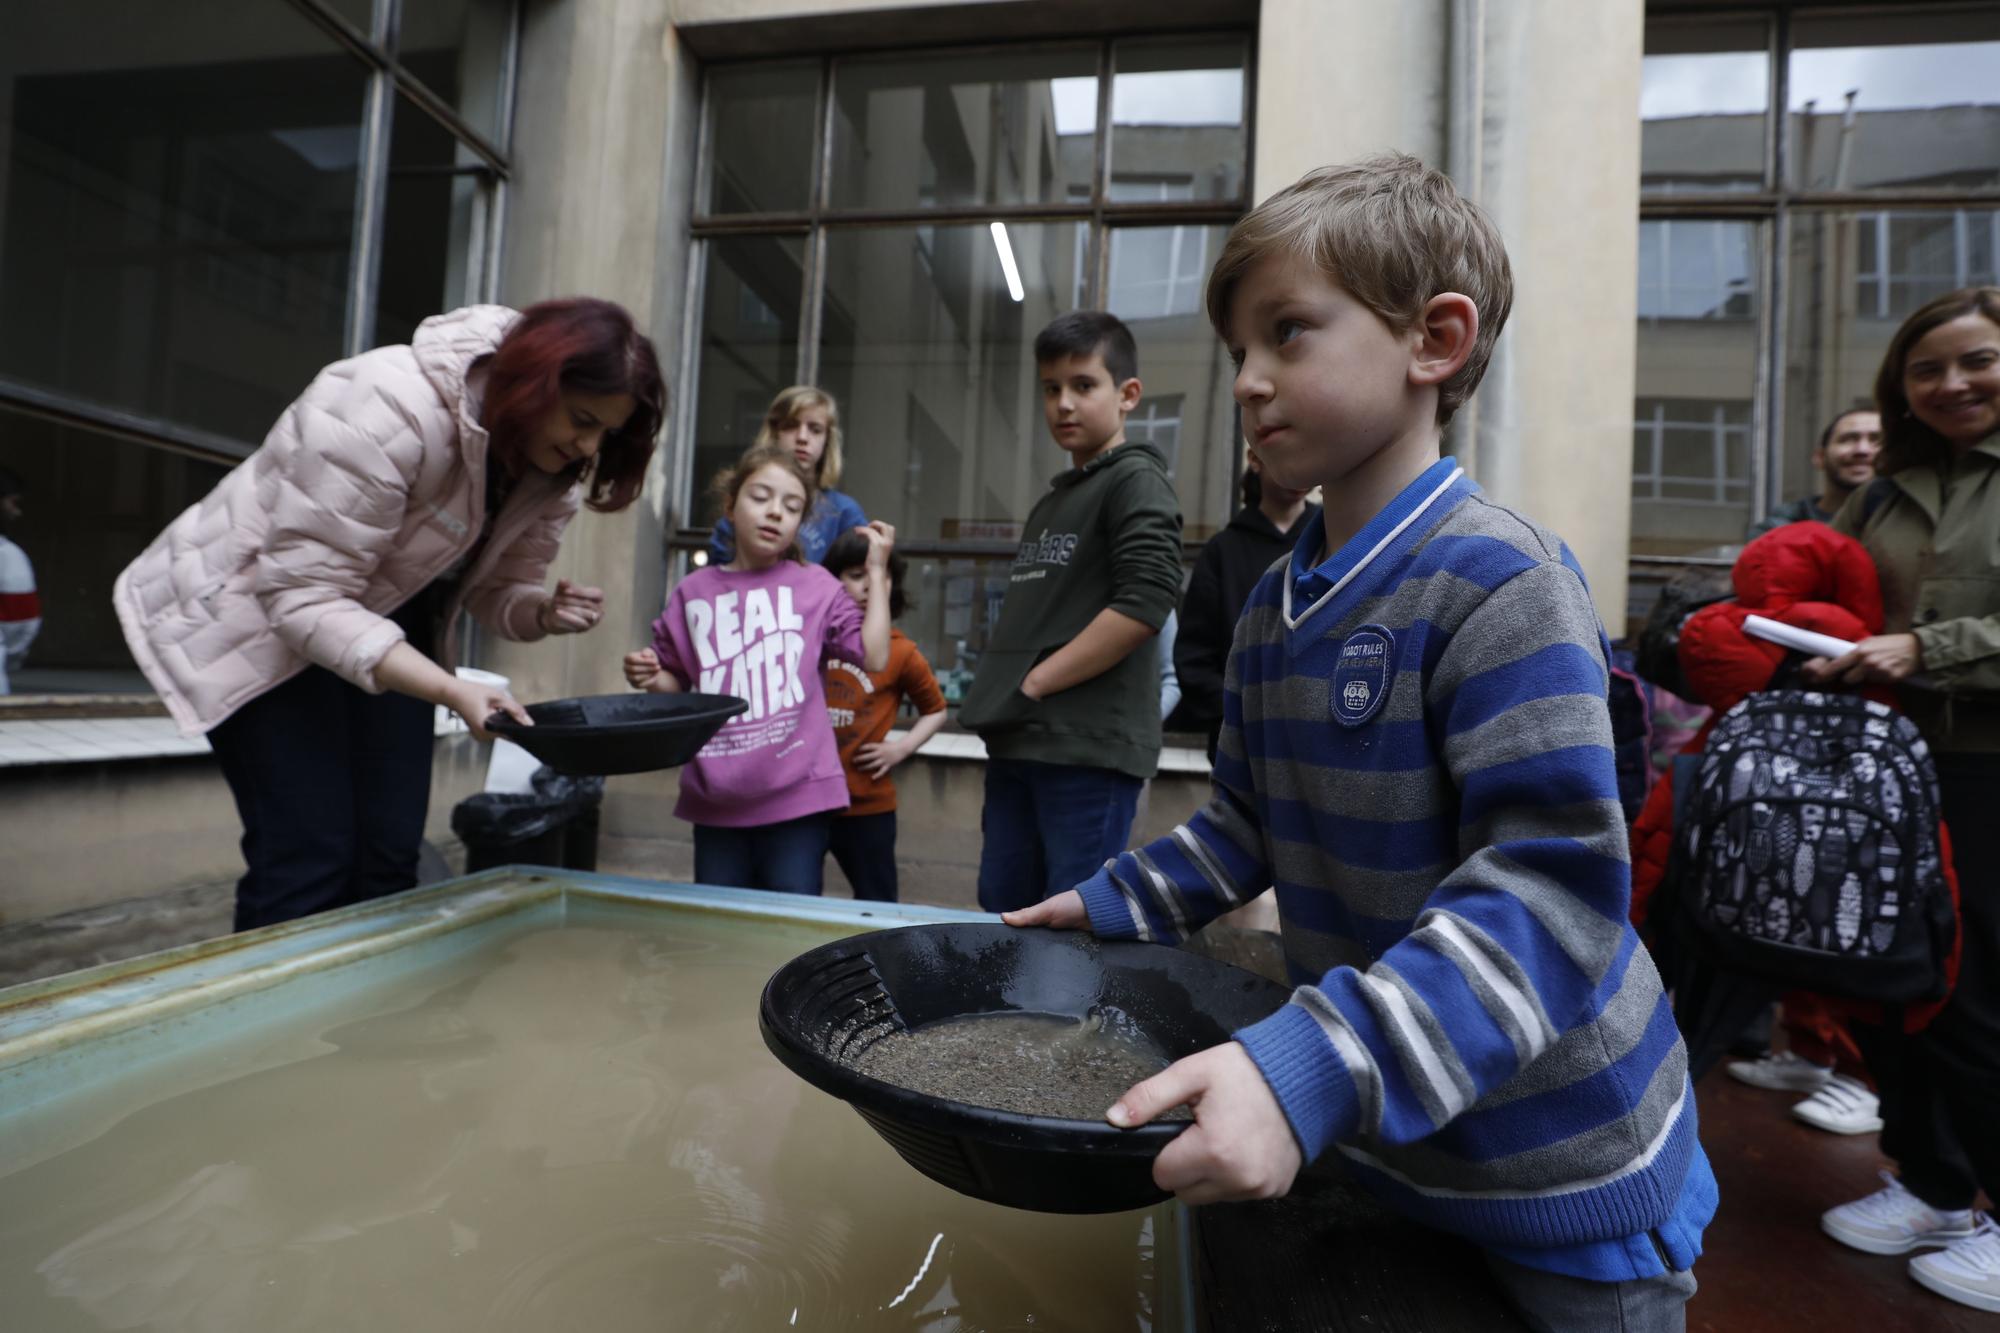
pixel 805 421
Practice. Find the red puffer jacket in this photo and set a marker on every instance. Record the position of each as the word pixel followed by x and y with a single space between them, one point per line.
pixel 1806 575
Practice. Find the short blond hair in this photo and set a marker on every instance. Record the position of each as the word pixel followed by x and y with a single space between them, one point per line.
pixel 1392 233
pixel 785 409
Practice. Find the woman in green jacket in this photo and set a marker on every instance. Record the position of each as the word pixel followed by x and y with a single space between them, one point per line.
pixel 1932 524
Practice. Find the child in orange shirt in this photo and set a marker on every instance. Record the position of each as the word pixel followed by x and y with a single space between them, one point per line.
pixel 862 706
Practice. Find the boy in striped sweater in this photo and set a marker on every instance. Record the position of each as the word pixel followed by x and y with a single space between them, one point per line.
pixel 1416 752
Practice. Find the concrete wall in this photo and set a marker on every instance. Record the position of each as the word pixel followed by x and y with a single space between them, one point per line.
pixel 104 861
pixel 937 821
pixel 604 134
pixel 1340 79
pixel 1557 165
pixel 1533 109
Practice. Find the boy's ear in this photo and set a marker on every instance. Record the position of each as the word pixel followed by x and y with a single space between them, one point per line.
pixel 1129 394
pixel 1442 338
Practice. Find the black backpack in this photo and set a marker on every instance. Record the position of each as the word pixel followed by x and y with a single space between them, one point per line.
pixel 1806 849
pixel 1656 652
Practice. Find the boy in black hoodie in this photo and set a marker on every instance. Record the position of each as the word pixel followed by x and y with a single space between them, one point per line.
pixel 1266 528
pixel 1067 692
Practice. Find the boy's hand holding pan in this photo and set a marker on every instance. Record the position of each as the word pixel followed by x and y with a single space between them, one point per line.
pixel 1063 912
pixel 1240 1145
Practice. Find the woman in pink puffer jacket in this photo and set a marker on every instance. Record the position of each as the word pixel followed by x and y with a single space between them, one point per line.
pixel 304 613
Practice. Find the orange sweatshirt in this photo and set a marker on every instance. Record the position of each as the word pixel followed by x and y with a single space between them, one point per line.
pixel 862 706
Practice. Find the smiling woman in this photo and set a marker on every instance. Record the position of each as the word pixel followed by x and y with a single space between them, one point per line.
pixel 300 614
pixel 1932 527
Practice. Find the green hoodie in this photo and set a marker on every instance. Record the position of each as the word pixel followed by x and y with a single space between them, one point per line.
pixel 1106 535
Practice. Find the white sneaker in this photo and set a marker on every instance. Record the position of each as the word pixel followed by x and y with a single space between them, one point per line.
pixel 1843 1106
pixel 1782 1071
pixel 1967 1271
pixel 1894 1221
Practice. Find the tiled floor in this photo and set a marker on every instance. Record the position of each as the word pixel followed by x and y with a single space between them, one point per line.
pixel 1766 1267
pixel 88 740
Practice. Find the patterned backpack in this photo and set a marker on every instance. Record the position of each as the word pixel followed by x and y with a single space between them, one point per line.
pixel 1807 850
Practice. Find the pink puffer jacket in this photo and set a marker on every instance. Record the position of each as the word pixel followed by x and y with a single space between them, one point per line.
pixel 369 487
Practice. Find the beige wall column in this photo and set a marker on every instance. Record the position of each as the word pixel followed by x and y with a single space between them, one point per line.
pixel 1555 160
pixel 1340 79
pixel 598 208
pixel 1533 108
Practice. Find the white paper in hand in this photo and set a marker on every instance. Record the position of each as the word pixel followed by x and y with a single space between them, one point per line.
pixel 1790 636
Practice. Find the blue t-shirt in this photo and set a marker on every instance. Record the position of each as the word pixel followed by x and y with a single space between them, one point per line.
pixel 835 513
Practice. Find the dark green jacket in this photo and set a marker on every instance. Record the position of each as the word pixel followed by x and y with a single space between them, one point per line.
pixel 1106 535
pixel 1798 511
pixel 1935 539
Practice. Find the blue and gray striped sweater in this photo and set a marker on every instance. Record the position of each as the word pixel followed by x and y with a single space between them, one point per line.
pixel 1416 752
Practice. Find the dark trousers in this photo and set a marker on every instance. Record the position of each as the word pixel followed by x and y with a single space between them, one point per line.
pixel 1556 1303
pixel 332 784
pixel 1049 827
pixel 1940 1088
pixel 864 847
pixel 786 858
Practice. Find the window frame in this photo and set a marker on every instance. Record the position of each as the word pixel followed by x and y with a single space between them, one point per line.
pixel 390 87
pixel 1775 204
pixel 1100 215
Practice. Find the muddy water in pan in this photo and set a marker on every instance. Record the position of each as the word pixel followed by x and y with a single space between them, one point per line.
pixel 575 1128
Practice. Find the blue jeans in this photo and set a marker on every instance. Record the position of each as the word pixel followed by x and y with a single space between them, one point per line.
pixel 785 858
pixel 332 784
pixel 1049 827
pixel 864 847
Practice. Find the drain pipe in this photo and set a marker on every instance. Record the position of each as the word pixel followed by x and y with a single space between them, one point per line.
pixel 1465 63
pixel 1478 438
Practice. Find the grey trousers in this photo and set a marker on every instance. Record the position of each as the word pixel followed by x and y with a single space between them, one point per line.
pixel 1553 1303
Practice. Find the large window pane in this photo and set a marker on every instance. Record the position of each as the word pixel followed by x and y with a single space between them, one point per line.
pixel 1854 277
pixel 953 604
pixel 1700 299
pixel 1926 104
pixel 999 128
pixel 434 226
pixel 1696 270
pixel 749 349
pixel 361 13
pixel 760 147
pixel 931 358
pixel 92 504
pixel 459 49
pixel 176 204
pixel 1156 280
pixel 1704 101
pixel 1177 113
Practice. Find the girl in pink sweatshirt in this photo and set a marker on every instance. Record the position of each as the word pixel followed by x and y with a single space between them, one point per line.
pixel 762 795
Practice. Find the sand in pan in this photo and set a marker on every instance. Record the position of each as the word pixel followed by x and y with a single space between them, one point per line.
pixel 1034 1064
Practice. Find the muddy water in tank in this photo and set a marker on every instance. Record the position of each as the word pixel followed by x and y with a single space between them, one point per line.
pixel 571 1126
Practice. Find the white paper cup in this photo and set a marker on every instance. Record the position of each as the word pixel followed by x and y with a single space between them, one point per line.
pixel 448 722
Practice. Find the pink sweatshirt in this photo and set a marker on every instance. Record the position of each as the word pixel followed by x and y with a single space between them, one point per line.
pixel 764 637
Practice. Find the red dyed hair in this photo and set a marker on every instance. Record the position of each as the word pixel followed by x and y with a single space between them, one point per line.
pixel 587 346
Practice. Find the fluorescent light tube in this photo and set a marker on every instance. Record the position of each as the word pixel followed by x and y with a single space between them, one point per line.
pixel 1000 243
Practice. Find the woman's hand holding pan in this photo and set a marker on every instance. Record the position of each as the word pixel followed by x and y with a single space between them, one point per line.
pixel 476 703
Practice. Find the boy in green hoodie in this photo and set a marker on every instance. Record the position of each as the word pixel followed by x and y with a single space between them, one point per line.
pixel 1067 691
